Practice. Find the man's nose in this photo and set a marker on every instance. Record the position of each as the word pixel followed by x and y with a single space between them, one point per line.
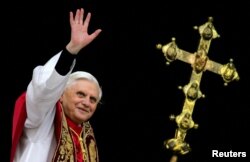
pixel 86 101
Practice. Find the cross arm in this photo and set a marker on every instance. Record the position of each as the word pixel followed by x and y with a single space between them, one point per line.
pixel 227 71
pixel 172 52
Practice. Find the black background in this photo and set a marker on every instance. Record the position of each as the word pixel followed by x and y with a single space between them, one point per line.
pixel 140 90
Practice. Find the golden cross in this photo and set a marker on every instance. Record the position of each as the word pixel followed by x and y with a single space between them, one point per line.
pixel 199 62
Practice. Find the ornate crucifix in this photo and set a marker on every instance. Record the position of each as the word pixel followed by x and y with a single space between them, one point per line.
pixel 199 62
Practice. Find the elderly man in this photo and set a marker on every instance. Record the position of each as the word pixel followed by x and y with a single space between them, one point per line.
pixel 51 119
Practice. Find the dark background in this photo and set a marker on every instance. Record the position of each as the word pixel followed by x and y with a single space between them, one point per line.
pixel 140 90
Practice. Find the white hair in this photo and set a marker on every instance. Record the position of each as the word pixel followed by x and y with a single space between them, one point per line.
pixel 84 75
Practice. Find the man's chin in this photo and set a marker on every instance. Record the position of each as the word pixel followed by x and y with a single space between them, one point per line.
pixel 84 118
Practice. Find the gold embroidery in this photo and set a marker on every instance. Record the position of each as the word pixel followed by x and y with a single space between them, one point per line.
pixel 92 151
pixel 65 151
pixel 81 142
pixel 66 144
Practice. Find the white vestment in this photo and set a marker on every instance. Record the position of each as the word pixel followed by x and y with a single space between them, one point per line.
pixel 38 143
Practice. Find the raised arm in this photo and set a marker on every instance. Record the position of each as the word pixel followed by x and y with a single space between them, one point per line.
pixel 79 31
pixel 48 81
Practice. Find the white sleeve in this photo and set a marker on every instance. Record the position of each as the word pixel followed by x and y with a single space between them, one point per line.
pixel 44 90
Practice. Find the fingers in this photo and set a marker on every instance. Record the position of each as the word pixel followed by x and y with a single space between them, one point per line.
pixel 78 19
pixel 95 34
pixel 79 16
pixel 87 20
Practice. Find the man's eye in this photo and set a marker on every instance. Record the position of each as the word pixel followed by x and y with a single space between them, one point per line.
pixel 93 100
pixel 81 94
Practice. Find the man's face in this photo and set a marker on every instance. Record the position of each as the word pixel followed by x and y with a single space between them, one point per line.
pixel 79 100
